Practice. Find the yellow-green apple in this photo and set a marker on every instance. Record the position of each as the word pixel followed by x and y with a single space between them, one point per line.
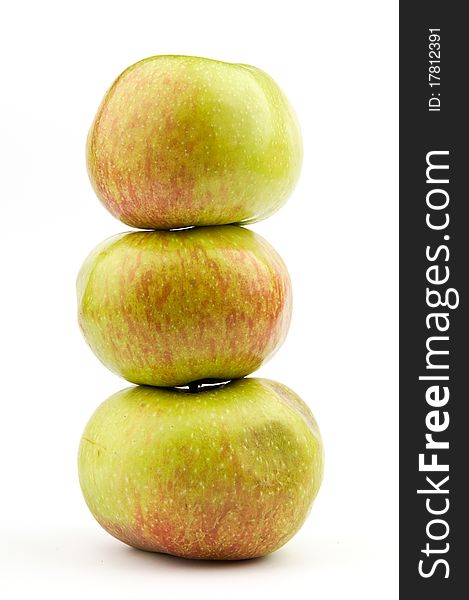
pixel 171 307
pixel 229 472
pixel 181 140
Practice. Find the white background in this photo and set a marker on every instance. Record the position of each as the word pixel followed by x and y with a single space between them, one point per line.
pixel 337 61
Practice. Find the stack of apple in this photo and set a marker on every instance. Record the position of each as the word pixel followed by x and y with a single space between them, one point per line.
pixel 196 460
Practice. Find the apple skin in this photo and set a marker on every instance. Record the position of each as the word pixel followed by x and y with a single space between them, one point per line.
pixel 167 308
pixel 181 140
pixel 226 473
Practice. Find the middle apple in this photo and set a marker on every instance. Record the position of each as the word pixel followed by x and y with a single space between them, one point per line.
pixel 168 308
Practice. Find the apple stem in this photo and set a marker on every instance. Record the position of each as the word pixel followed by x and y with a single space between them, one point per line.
pixel 193 387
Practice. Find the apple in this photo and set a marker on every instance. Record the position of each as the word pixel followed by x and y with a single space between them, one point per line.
pixel 229 472
pixel 180 141
pixel 167 308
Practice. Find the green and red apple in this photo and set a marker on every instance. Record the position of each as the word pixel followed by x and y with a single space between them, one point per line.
pixel 167 308
pixel 229 472
pixel 180 141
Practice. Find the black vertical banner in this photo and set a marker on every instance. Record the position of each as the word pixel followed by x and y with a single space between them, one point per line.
pixel 434 273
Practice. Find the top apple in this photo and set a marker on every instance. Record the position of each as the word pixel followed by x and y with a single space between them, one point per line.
pixel 180 141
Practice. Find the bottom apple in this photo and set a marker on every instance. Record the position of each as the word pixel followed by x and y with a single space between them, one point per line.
pixel 227 472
